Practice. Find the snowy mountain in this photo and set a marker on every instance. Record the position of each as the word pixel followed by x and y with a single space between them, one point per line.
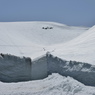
pixel 32 39
pixel 17 32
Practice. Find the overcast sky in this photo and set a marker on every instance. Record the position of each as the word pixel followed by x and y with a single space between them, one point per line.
pixel 70 12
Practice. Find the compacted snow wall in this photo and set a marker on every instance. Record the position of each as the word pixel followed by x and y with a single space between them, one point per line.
pixel 49 64
pixel 39 68
pixel 14 69
pixel 82 72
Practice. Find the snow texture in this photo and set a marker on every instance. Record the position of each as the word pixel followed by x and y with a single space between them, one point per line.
pixel 14 69
pixel 39 68
pixel 33 39
pixel 30 40
pixel 81 48
pixel 54 84
pixel 83 72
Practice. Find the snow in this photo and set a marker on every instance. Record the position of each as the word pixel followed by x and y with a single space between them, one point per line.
pixel 39 68
pixel 66 42
pixel 15 69
pixel 54 84
pixel 29 39
pixel 48 64
pixel 80 49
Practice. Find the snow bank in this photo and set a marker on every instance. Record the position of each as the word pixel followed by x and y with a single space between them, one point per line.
pixel 39 68
pixel 14 69
pixel 81 48
pixel 82 72
pixel 54 84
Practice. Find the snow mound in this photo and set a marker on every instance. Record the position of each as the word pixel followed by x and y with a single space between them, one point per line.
pixel 54 84
pixel 80 49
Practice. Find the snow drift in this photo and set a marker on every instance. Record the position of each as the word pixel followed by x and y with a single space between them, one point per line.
pixel 54 84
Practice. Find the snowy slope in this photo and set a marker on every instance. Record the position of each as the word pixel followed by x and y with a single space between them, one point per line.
pixel 55 84
pixel 80 49
pixel 33 32
pixel 29 39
